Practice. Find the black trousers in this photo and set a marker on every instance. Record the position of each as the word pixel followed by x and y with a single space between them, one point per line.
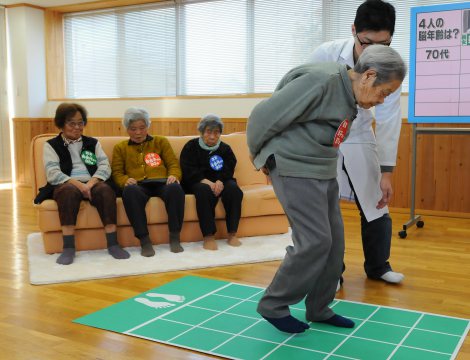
pixel 206 202
pixel 376 240
pixel 135 197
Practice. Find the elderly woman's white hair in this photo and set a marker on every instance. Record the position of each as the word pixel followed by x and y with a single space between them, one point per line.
pixel 134 114
pixel 384 60
pixel 210 121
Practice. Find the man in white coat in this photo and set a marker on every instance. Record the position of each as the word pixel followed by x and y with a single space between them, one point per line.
pixel 366 160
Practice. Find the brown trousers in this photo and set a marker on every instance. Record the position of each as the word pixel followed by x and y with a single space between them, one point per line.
pixel 68 199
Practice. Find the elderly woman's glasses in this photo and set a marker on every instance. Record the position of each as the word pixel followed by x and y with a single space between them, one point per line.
pixel 74 124
pixel 367 43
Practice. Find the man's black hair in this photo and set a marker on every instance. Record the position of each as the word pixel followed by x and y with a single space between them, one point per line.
pixel 375 15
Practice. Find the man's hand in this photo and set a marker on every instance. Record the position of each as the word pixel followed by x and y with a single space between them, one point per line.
pixel 387 190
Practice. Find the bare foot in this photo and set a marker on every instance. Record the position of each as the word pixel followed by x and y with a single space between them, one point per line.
pixel 233 240
pixel 209 243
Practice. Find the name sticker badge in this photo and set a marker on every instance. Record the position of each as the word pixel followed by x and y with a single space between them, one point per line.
pixel 341 133
pixel 88 157
pixel 153 159
pixel 216 162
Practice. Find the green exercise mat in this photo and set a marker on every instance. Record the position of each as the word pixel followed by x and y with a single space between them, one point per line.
pixel 219 318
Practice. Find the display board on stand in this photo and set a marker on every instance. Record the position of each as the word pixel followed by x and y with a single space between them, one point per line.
pixel 440 64
pixel 439 90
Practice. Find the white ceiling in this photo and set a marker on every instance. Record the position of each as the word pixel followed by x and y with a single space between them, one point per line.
pixel 44 3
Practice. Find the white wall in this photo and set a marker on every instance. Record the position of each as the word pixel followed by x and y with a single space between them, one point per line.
pixel 178 107
pixel 5 163
pixel 169 108
pixel 28 65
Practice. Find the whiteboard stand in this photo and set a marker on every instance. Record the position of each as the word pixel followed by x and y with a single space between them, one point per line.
pixel 416 219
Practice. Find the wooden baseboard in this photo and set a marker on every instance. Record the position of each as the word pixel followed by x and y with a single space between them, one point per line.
pixel 397 210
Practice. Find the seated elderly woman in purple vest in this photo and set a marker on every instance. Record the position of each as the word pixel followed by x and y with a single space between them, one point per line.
pixel 76 169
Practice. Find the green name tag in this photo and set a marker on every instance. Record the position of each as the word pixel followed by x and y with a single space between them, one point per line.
pixel 88 157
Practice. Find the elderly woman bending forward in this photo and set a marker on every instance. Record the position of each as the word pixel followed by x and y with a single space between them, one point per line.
pixel 208 165
pixel 294 136
pixel 146 166
pixel 76 168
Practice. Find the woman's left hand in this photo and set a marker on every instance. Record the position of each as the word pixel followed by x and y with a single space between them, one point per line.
pixel 172 179
pixel 88 186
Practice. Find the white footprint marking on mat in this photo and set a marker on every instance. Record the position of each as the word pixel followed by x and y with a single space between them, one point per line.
pixel 154 304
pixel 169 297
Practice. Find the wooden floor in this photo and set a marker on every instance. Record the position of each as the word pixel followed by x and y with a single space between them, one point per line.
pixel 35 321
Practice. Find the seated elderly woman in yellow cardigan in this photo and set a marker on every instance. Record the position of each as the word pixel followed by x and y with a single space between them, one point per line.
pixel 146 166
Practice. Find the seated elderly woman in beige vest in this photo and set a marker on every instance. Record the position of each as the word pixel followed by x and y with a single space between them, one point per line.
pixel 76 169
pixel 208 166
pixel 146 166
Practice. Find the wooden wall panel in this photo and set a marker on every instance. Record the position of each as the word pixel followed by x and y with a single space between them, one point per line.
pixel 401 178
pixel 460 153
pixel 443 171
pixel 443 162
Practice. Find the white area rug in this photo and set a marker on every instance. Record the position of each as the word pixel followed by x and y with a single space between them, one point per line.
pixel 98 264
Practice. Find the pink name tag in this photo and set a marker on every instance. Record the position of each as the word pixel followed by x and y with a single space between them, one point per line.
pixel 341 133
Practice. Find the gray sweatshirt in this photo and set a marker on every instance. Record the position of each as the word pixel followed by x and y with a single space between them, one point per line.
pixel 299 121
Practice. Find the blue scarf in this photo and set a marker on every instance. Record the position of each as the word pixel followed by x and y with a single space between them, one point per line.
pixel 203 145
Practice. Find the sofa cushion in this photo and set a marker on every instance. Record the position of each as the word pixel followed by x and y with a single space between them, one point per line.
pixel 258 200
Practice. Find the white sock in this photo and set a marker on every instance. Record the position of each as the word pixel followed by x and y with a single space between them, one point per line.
pixel 393 277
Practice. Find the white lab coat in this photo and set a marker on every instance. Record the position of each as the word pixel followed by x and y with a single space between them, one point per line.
pixel 363 154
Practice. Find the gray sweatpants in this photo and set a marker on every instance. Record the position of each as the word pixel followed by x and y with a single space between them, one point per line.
pixel 312 266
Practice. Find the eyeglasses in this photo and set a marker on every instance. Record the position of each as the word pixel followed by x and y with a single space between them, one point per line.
pixel 73 124
pixel 134 129
pixel 365 44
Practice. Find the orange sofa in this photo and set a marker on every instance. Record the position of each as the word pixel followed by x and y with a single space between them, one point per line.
pixel 262 214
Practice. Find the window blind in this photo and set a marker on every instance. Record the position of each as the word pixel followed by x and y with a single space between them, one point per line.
pixel 285 33
pixel 202 47
pixel 213 43
pixel 127 52
pixel 188 47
